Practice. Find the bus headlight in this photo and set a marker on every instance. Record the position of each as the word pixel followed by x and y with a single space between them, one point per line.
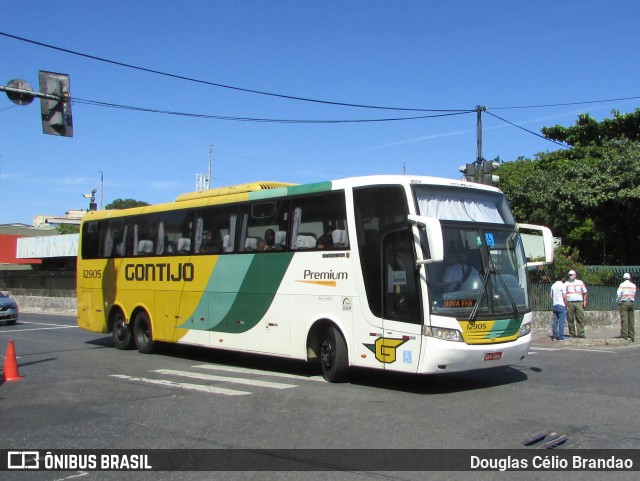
pixel 525 329
pixel 442 333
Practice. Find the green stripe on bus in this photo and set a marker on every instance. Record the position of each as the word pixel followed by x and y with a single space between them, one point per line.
pixel 292 190
pixel 505 327
pixel 310 188
pixel 220 293
pixel 257 292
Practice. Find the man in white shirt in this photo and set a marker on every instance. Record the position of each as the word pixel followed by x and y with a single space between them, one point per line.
pixel 626 298
pixel 576 304
pixel 559 296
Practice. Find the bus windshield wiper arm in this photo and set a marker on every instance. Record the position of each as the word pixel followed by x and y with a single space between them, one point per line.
pixel 504 286
pixel 474 312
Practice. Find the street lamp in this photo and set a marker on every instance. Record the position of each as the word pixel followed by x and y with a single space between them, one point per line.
pixel 101 188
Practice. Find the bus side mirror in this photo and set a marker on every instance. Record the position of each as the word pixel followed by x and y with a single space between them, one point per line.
pixel 433 231
pixel 538 244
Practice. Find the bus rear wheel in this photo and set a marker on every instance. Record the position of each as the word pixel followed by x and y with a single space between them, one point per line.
pixel 122 337
pixel 142 334
pixel 333 356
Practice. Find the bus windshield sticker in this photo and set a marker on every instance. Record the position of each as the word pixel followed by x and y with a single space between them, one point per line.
pixel 399 278
pixel 489 238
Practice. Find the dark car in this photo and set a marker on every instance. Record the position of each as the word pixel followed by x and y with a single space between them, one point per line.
pixel 8 309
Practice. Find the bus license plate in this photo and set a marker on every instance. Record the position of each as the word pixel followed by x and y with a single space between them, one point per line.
pixel 492 356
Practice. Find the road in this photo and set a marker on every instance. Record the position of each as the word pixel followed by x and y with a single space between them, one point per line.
pixel 80 392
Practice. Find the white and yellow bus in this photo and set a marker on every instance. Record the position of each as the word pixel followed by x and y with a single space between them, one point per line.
pixel 352 272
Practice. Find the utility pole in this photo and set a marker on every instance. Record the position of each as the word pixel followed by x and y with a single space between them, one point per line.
pixel 101 188
pixel 480 171
pixel 209 177
pixel 479 110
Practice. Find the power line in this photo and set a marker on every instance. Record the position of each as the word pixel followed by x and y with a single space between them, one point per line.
pixel 265 120
pixel 214 84
pixel 527 130
pixel 584 102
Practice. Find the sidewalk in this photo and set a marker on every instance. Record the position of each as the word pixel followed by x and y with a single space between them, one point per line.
pixel 595 336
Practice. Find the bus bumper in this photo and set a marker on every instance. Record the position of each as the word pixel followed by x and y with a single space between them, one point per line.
pixel 439 356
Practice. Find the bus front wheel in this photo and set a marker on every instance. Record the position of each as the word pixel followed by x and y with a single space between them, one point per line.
pixel 122 337
pixel 333 356
pixel 142 334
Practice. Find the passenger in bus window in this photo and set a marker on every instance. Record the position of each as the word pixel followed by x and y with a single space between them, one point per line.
pixel 269 240
pixel 210 245
pixel 325 241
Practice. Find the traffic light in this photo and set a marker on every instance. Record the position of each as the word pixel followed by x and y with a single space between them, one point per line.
pixel 470 171
pixel 488 168
pixel 56 113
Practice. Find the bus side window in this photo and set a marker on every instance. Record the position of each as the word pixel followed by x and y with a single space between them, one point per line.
pixel 319 222
pixel 260 221
pixel 91 240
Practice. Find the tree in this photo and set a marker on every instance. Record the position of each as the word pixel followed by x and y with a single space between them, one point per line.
pixel 125 204
pixel 589 194
pixel 68 228
pixel 588 132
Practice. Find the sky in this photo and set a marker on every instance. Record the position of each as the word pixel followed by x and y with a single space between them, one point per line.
pixel 520 60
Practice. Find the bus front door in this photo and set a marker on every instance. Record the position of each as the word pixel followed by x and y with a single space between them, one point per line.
pixel 399 348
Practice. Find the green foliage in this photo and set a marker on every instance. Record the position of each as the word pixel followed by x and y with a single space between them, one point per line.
pixel 125 204
pixel 68 228
pixel 589 132
pixel 586 195
pixel 566 258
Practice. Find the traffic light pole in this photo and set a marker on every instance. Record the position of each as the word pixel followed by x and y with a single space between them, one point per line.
pixel 479 161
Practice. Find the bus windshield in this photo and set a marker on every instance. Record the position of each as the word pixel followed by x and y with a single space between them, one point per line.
pixel 483 273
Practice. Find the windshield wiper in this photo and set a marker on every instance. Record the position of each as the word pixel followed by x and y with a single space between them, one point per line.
pixel 504 286
pixel 476 307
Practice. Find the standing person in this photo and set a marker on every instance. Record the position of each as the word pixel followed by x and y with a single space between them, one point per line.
pixel 559 296
pixel 576 304
pixel 626 297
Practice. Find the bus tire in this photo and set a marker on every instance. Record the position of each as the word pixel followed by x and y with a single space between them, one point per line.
pixel 334 358
pixel 121 331
pixel 142 334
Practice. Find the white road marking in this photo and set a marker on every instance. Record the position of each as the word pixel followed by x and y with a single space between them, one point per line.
pixel 56 326
pixel 37 329
pixel 570 349
pixel 183 385
pixel 79 475
pixel 235 380
pixel 47 324
pixel 257 372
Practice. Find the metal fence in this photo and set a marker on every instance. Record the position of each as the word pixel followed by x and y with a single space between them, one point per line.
pixel 47 280
pixel 601 297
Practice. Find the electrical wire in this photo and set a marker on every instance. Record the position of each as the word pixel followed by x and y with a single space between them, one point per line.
pixel 585 102
pixel 527 130
pixel 253 119
pixel 443 112
pixel 214 84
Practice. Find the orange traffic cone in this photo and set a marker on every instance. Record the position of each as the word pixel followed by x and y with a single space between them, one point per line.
pixel 11 365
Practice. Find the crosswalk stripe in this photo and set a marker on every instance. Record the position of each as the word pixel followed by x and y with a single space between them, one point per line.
pixel 183 385
pixel 235 380
pixel 257 372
